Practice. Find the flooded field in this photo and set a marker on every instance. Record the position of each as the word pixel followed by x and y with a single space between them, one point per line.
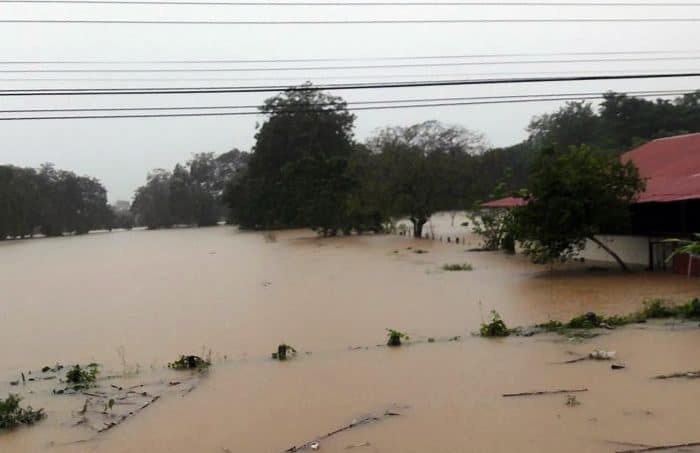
pixel 157 294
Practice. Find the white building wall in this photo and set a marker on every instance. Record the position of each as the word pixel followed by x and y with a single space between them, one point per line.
pixel 631 249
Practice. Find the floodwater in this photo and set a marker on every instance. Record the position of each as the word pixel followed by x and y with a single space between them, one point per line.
pixel 157 294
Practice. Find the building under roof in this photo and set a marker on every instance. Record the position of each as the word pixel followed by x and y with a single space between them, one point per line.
pixel 670 205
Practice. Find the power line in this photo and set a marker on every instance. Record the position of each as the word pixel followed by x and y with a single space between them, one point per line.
pixel 382 101
pixel 341 3
pixel 338 86
pixel 351 67
pixel 305 78
pixel 352 22
pixel 382 107
pixel 331 59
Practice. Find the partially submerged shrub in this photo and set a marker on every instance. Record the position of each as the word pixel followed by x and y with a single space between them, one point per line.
pixel 690 310
pixel 495 328
pixel 82 377
pixel 395 337
pixel 657 308
pixel 283 351
pixel 457 267
pixel 551 326
pixel 190 362
pixel 571 401
pixel 586 321
pixel 12 415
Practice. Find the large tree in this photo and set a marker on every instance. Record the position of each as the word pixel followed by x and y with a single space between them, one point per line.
pixel 573 195
pixel 425 168
pixel 296 175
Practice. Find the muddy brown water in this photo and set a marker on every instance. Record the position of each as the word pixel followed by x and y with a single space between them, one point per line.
pixel 156 294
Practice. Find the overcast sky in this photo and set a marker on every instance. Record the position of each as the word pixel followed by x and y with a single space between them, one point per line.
pixel 120 152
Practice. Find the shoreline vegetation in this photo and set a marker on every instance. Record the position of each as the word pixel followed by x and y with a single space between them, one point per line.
pixel 102 392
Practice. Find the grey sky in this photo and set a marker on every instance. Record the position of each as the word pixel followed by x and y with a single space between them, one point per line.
pixel 121 152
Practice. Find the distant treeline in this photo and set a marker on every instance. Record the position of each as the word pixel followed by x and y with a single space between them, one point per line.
pixel 619 124
pixel 188 195
pixel 50 202
pixel 306 169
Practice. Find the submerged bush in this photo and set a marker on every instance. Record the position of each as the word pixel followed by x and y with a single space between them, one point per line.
pixel 586 321
pixel 657 308
pixel 82 376
pixel 653 309
pixel 190 362
pixel 495 328
pixel 395 337
pixel 457 267
pixel 690 310
pixel 12 415
pixel 284 350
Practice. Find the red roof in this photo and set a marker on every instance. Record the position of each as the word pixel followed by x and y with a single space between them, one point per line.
pixel 509 202
pixel 671 167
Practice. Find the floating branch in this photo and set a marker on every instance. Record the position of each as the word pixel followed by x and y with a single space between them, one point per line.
pixel 683 374
pixel 544 392
pixel 354 424
pixel 660 447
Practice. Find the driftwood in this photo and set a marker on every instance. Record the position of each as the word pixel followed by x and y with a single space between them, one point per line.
pixel 354 424
pixel 661 447
pixel 576 360
pixel 544 392
pixel 120 419
pixel 684 374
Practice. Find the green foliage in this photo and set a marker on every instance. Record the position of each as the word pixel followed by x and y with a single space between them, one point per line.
pixel 190 194
pixel 190 362
pixel 457 267
pixel 494 226
pixel 495 328
pixel 686 247
pixel 620 123
pixel 551 326
pixel 689 310
pixel 585 321
pixel 425 168
pixel 13 415
pixel 50 201
pixel 395 337
pixel 298 174
pixel 82 377
pixel 573 195
pixel 652 309
pixel 657 308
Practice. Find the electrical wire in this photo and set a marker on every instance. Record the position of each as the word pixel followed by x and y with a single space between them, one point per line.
pixel 338 86
pixel 383 107
pixel 335 59
pixel 351 67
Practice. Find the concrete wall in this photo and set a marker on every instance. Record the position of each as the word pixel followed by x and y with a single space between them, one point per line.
pixel 632 249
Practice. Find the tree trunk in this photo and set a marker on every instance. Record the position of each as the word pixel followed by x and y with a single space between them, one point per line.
pixel 602 245
pixel 418 226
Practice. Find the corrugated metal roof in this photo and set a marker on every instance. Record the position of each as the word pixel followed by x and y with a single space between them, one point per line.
pixel 671 167
pixel 509 202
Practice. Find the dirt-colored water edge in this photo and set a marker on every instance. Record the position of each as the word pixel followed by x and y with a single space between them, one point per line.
pixel 162 293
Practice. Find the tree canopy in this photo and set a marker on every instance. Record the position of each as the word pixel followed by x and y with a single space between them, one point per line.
pixel 572 195
pixel 190 194
pixel 425 168
pixel 297 175
pixel 50 201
